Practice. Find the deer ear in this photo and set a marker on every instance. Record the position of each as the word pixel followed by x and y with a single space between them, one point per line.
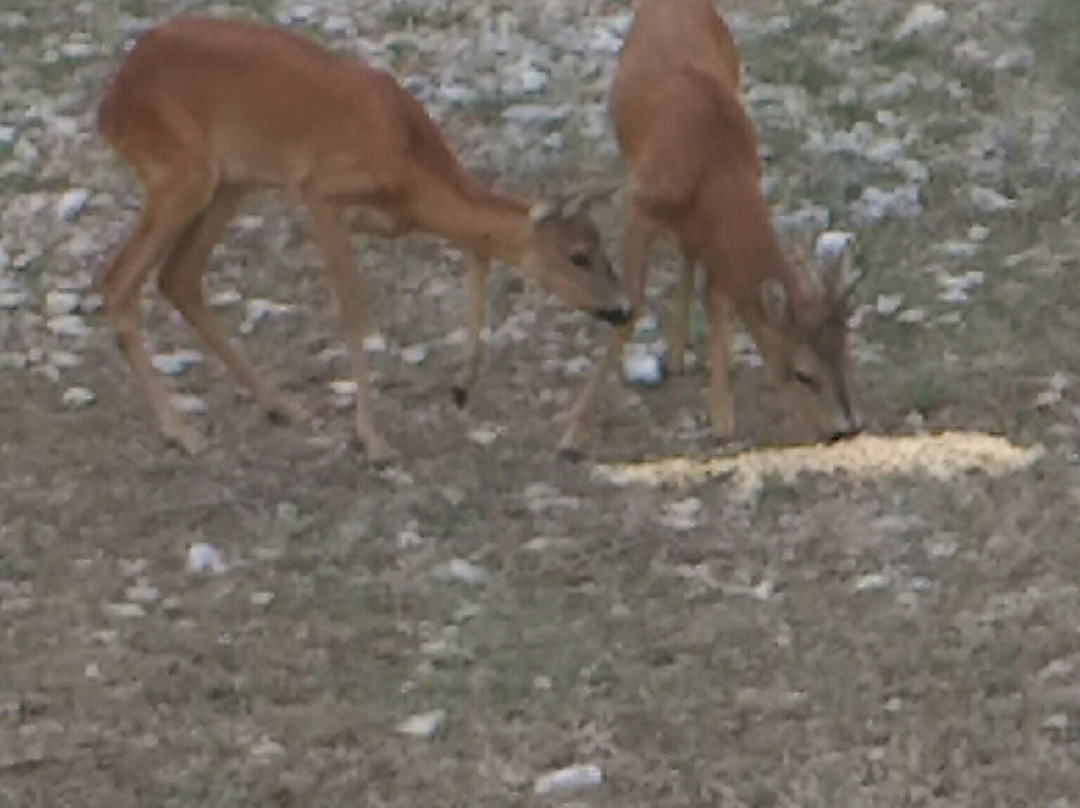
pixel 542 211
pixel 774 301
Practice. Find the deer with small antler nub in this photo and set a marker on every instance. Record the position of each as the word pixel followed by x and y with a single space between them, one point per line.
pixel 204 110
pixel 694 173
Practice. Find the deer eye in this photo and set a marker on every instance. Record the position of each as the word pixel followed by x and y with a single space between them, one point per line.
pixel 579 259
pixel 804 379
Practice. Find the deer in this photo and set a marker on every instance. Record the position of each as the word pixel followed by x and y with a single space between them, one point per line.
pixel 205 110
pixel 694 175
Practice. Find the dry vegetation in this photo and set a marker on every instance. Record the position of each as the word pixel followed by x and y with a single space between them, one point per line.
pixel 835 641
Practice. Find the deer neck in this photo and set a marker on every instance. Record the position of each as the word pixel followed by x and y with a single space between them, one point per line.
pixel 477 220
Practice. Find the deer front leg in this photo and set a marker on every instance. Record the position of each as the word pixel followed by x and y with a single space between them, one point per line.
pixel 476 274
pixel 679 330
pixel 333 241
pixel 721 402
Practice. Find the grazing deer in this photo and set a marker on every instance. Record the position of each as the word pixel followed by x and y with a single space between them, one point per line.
pixel 694 174
pixel 205 110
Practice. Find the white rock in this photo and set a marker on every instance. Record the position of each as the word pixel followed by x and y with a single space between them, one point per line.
pixel 640 367
pixel 177 362
pixel 142 593
pixel 536 114
pixel 978 233
pixel 59 302
pixel 987 200
pixel 571 778
pixel 266 750
pixel 343 388
pixel 204 557
pixel 831 244
pixel 226 297
pixel 423 725
pixel 65 360
pixel 923 19
pixel 124 611
pixel 876 204
pixel 375 343
pixel 188 403
pixel 415 354
pixel 8 135
pixel 68 325
pixel 71 204
pixel 484 437
pixel 77 398
pixel 261 599
pixel 888 305
pixel 462 571
pixel 912 316
pixel 10 300
pixel 873 582
pixel 91 303
pixel 258 309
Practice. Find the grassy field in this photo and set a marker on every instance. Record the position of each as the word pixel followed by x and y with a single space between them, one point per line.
pixel 835 642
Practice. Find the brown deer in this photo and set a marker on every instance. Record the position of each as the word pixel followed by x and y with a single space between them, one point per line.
pixel 694 174
pixel 205 110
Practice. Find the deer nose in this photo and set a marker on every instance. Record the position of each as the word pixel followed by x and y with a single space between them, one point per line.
pixel 850 430
pixel 617 315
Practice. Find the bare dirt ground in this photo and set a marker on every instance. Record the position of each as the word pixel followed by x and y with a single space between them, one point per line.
pixel 837 642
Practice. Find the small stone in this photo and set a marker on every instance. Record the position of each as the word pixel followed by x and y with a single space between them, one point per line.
pixel 987 200
pixel 72 203
pixel 265 750
pixel 65 360
pixel 375 343
pixel 124 611
pixel 484 437
pixel 423 725
pixel 923 19
pixel 831 244
pixel 536 114
pixel 92 671
pixel 189 404
pixel 414 354
pixel 888 305
pixel 1058 722
pixel 77 398
pixel 203 557
pixel 177 362
pixel 343 388
pixel 462 571
pixel 261 599
pixel 642 368
pixel 226 297
pixel 59 302
pixel 912 316
pixel 68 325
pixel 10 301
pixel 873 582
pixel 142 593
pixel 571 778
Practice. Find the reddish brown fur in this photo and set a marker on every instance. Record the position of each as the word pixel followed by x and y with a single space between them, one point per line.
pixel 204 110
pixel 692 156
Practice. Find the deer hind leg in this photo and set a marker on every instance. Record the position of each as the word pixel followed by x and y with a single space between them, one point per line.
pixel 170 208
pixel 333 241
pixel 679 329
pixel 721 401
pixel 476 289
pixel 181 281
pixel 639 235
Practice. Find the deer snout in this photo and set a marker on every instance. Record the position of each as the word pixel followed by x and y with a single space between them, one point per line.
pixel 851 427
pixel 619 314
